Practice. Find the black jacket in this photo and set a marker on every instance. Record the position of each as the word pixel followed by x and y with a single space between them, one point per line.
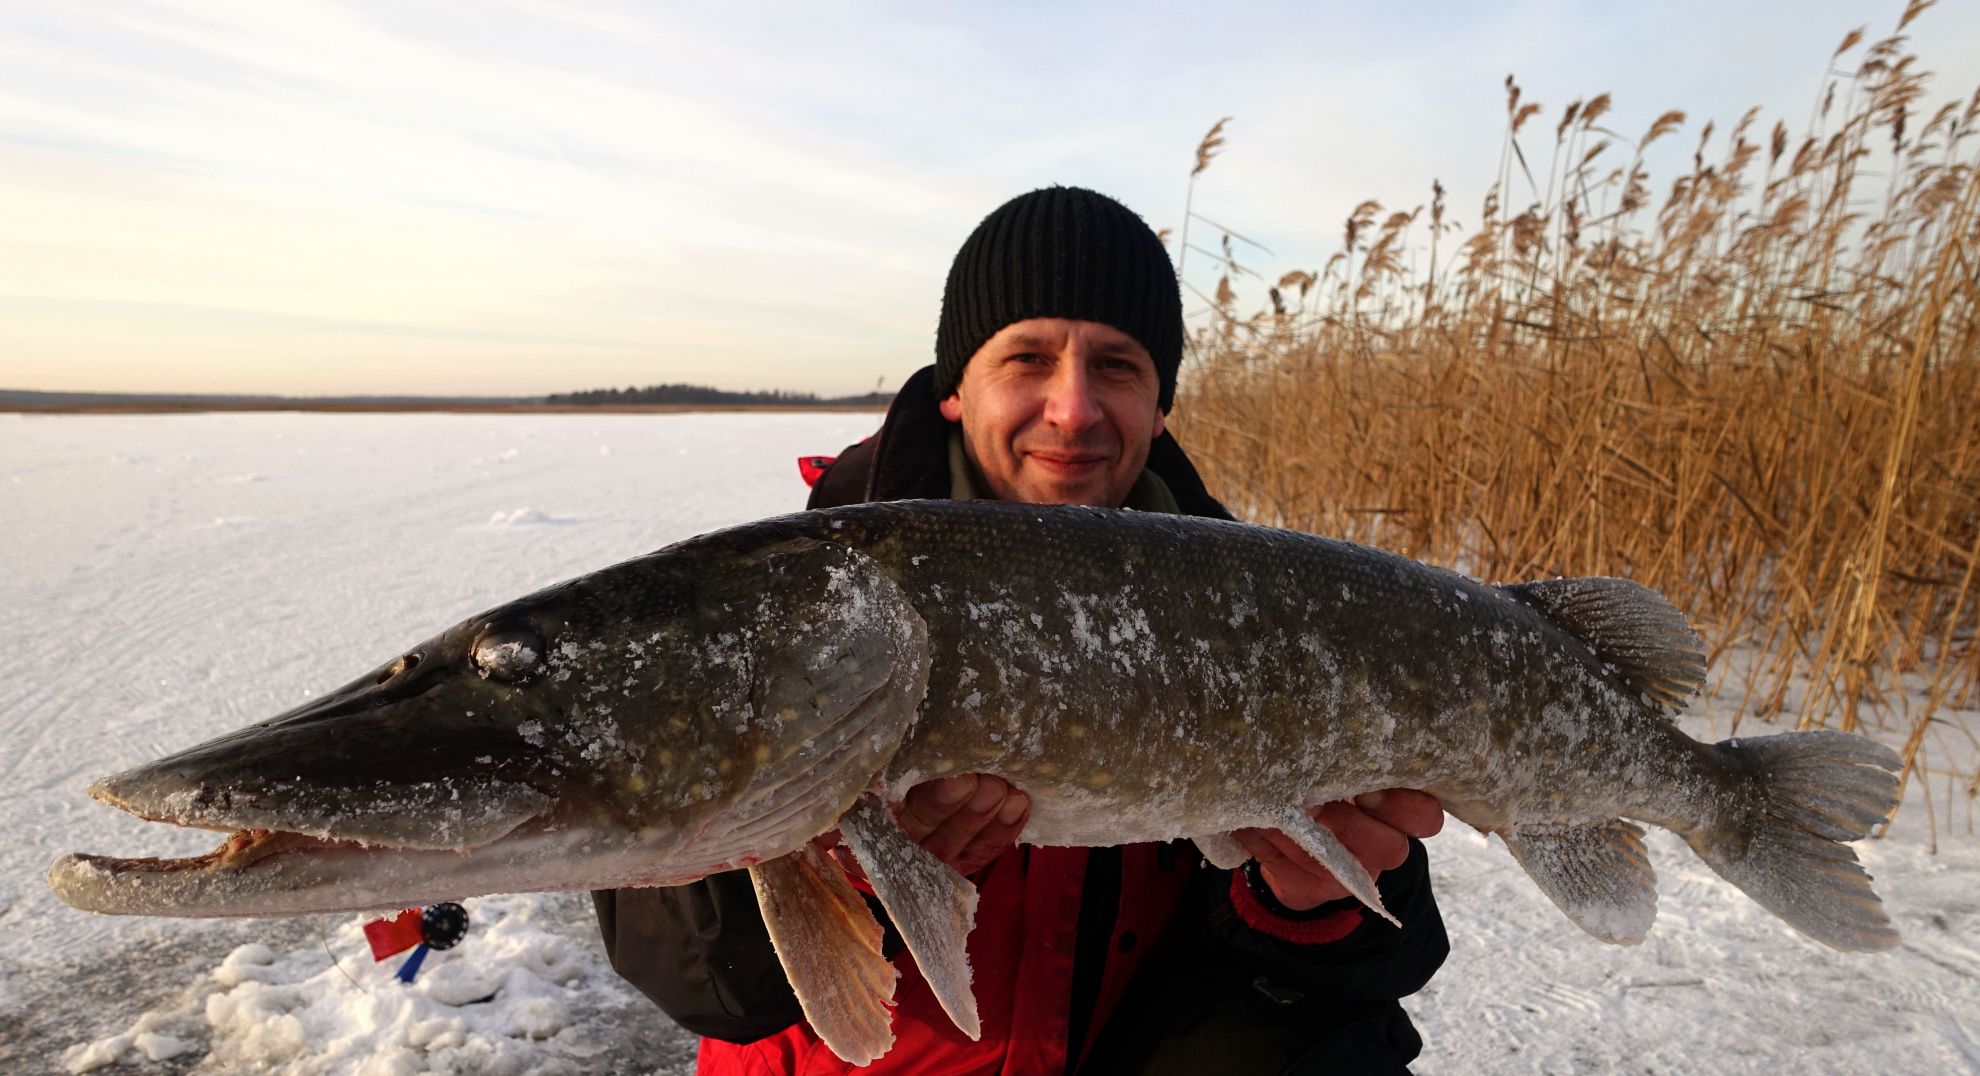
pixel 1229 999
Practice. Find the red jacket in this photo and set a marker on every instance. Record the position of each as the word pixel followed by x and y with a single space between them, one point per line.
pixel 1021 954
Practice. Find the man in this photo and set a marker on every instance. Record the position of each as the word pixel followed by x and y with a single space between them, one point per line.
pixel 1056 360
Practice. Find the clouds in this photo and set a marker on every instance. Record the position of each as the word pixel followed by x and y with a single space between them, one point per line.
pixel 288 197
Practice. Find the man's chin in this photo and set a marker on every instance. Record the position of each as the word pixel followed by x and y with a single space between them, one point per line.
pixel 1093 491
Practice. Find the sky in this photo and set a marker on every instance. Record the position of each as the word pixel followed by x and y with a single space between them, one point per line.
pixel 513 198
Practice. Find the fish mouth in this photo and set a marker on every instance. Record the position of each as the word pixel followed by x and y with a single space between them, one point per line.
pixel 240 850
pixel 253 872
pixel 290 851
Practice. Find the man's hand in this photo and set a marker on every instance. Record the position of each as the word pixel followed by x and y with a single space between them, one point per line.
pixel 964 821
pixel 1376 827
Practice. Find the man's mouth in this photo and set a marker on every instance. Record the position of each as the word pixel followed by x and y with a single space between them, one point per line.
pixel 1067 463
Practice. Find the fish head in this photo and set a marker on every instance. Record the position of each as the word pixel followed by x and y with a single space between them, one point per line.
pixel 695 710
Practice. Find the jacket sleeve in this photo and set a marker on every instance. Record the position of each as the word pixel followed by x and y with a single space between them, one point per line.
pixel 1373 961
pixel 701 952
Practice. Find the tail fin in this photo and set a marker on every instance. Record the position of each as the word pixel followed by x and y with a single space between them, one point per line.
pixel 1813 791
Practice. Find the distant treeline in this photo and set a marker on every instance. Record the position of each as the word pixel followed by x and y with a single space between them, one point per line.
pixel 703 395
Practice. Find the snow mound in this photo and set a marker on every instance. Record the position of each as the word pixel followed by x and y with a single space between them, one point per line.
pixel 504 1001
pixel 528 517
pixel 155 1037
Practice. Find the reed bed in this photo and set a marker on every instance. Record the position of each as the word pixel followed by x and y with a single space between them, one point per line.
pixel 1758 392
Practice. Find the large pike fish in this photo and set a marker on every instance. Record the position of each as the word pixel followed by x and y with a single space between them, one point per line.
pixel 719 703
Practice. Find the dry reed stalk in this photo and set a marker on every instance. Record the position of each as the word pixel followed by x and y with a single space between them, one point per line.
pixel 1756 397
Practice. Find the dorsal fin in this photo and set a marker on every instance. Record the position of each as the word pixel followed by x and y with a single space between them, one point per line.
pixel 1630 627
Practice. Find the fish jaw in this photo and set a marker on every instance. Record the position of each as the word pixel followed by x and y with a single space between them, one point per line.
pixel 449 813
pixel 299 865
pixel 257 873
pixel 310 850
pixel 298 844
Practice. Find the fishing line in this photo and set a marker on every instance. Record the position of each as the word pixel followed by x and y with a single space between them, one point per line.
pixel 324 937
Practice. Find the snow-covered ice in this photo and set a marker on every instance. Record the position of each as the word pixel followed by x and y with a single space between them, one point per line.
pixel 170 578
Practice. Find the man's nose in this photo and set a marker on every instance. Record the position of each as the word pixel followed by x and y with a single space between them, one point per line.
pixel 1069 401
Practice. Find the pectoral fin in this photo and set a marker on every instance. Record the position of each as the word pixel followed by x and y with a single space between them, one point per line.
pixel 829 944
pixel 1599 875
pixel 1222 850
pixel 932 906
pixel 1321 844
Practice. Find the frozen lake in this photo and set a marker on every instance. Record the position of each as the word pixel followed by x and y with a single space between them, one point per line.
pixel 169 578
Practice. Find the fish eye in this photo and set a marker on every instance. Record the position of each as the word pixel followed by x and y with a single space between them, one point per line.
pixel 508 655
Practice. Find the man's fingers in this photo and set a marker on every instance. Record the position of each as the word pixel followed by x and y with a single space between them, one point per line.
pixel 1258 843
pixel 1277 854
pixel 996 836
pixel 1405 809
pixel 1378 845
pixel 1363 827
pixel 968 819
pixel 1297 880
pixel 931 803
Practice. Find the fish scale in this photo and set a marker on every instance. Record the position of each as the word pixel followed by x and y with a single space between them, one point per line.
pixel 1274 664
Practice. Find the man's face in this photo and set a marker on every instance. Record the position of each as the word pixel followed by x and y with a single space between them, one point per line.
pixel 1057 411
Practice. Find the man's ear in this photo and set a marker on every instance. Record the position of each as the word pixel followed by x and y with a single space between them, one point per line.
pixel 1161 423
pixel 952 409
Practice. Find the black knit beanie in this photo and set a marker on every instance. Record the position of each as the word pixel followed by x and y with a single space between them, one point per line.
pixel 1061 252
